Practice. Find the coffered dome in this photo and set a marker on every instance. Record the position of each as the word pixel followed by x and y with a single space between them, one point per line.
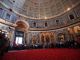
pixel 43 9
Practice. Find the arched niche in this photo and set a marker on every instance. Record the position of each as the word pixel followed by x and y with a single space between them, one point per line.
pixel 21 32
pixel 61 37
pixel 22 26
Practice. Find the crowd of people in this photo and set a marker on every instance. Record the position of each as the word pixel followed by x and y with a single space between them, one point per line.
pixel 67 44
pixel 4 44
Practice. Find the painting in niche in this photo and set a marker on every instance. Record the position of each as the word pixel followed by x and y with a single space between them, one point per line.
pixel 61 37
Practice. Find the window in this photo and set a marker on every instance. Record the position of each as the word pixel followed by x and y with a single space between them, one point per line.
pixel 13 18
pixel 1 11
pixel 34 24
pixel 45 24
pixel 57 22
pixel 19 40
pixel 71 16
pixel 19 37
pixel 7 16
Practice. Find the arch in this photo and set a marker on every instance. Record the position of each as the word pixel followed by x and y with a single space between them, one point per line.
pixel 20 32
pixel 22 25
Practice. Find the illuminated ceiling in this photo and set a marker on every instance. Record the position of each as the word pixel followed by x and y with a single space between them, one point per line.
pixel 44 9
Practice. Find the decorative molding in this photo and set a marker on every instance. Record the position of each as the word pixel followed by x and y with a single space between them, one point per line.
pixel 7 23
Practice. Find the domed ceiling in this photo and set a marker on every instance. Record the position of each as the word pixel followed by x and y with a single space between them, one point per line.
pixel 44 9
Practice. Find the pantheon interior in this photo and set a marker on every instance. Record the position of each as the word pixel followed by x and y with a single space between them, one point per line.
pixel 40 23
